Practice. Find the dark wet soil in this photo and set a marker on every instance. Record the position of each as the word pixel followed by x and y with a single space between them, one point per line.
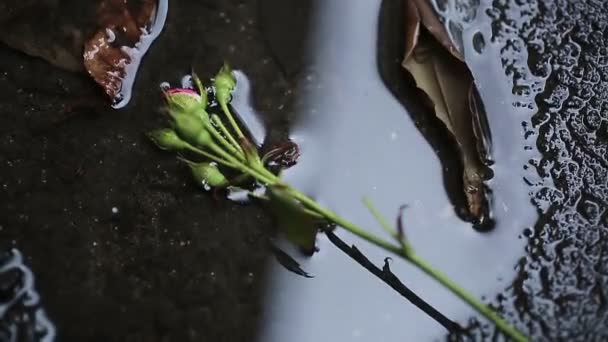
pixel 123 246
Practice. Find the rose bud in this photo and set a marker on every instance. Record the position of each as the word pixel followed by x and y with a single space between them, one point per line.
pixel 224 84
pixel 183 99
pixel 167 139
pixel 207 174
pixel 191 127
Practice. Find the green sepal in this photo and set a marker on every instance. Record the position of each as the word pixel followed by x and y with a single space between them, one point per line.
pixel 191 127
pixel 167 139
pixel 201 89
pixel 207 174
pixel 251 152
pixel 224 83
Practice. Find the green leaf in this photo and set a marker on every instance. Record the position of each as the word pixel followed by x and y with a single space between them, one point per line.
pixel 298 226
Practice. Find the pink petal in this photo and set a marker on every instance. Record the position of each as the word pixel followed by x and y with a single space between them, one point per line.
pixel 181 91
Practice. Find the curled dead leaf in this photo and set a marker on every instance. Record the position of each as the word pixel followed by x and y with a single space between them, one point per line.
pixel 105 63
pixel 107 38
pixel 283 155
pixel 439 70
pixel 421 11
pixel 126 29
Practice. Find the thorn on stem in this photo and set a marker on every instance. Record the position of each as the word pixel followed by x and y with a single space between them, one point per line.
pixel 400 228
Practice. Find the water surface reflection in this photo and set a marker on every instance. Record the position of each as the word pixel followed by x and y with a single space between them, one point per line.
pixel 358 140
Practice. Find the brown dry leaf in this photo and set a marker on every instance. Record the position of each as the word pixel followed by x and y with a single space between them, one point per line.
pixel 125 31
pixel 39 28
pixel 107 38
pixel 439 70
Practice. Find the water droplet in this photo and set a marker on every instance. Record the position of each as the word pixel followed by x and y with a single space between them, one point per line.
pixel 111 35
pixel 186 82
pixel 479 42
pixel 165 85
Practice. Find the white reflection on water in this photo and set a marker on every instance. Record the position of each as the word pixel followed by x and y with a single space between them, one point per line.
pixel 24 295
pixel 359 141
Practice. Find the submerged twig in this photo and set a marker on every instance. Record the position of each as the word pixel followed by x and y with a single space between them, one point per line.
pixel 390 279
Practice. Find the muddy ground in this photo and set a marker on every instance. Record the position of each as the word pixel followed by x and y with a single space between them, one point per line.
pixel 122 244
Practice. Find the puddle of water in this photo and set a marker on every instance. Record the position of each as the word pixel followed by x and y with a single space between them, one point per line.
pixel 137 53
pixel 357 140
pixel 21 317
pixel 243 107
pixel 556 54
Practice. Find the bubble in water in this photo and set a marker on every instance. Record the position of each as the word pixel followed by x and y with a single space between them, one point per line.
pixel 186 81
pixel 479 42
pixel 165 85
pixel 111 35
pixel 136 54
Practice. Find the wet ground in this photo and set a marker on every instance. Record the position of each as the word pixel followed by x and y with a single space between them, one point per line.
pixel 118 245
pixel 123 246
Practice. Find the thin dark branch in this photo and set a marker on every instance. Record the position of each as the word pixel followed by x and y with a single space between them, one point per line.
pixel 388 277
